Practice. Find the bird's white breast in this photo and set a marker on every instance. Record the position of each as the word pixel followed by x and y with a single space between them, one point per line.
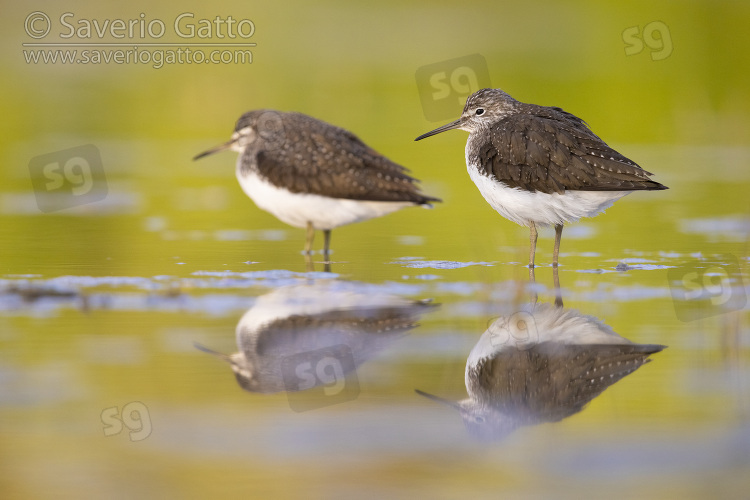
pixel 524 207
pixel 297 209
pixel 541 323
pixel 314 299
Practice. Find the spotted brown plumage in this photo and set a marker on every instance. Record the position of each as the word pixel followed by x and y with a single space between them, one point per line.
pixel 304 322
pixel 548 370
pixel 310 156
pixel 541 166
pixel 546 382
pixel 549 150
pixel 315 176
pixel 550 380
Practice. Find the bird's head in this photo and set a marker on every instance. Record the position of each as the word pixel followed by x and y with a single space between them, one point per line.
pixel 253 127
pixel 482 108
pixel 241 366
pixel 482 422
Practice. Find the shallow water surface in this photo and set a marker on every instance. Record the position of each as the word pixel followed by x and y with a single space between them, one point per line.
pixel 218 360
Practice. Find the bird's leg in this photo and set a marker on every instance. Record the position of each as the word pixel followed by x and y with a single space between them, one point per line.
pixel 327 244
pixel 558 237
pixel 532 240
pixel 310 237
pixel 558 292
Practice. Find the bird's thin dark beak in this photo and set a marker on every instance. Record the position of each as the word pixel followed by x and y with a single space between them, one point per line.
pixel 220 355
pixel 449 126
pixel 217 149
pixel 440 400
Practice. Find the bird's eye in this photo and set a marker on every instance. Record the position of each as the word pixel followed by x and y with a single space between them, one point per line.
pixel 479 111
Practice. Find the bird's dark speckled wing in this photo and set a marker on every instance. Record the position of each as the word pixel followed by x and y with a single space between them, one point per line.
pixel 549 150
pixel 551 381
pixel 356 327
pixel 318 158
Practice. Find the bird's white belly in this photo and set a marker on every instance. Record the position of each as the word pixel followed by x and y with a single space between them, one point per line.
pixel 298 209
pixel 524 207
pixel 542 323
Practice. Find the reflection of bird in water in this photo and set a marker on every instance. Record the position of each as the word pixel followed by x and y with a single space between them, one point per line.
pixel 541 364
pixel 302 319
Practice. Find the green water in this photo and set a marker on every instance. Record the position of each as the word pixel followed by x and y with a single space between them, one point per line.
pixel 101 304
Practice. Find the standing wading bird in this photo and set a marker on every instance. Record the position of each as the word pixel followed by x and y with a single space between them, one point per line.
pixel 313 175
pixel 541 166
